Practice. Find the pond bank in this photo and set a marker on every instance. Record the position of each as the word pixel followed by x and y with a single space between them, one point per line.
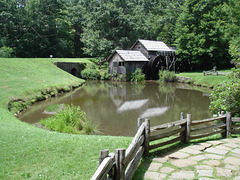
pixel 30 152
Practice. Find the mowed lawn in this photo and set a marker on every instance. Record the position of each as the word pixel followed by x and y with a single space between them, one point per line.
pixel 209 80
pixel 30 152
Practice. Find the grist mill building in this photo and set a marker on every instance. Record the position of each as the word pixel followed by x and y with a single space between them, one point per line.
pixel 157 56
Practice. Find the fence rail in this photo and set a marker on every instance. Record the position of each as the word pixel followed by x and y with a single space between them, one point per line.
pixel 123 163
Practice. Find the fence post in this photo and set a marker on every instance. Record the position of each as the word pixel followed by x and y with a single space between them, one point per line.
pixel 228 124
pixel 188 128
pixel 140 121
pixel 147 136
pixel 103 154
pixel 182 134
pixel 182 116
pixel 120 167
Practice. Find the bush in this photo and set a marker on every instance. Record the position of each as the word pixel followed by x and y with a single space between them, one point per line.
pixel 90 72
pixel 70 120
pixel 137 76
pixel 226 97
pixel 6 52
pixel 167 76
pixel 104 75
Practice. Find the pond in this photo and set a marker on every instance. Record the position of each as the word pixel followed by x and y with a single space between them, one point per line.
pixel 115 107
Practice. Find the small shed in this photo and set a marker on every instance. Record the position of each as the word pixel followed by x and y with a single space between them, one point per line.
pixel 126 61
pixel 159 54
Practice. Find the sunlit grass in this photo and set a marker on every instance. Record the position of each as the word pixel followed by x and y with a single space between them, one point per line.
pixel 29 152
pixel 209 80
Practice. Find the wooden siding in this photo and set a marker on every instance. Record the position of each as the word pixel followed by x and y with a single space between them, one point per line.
pixel 139 47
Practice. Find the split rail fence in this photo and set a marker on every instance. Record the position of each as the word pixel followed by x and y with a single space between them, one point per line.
pixel 122 164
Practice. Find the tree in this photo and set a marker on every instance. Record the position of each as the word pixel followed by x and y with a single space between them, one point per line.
pixel 200 34
pixel 115 24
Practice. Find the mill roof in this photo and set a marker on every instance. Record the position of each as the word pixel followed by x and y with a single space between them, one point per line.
pixel 151 45
pixel 129 55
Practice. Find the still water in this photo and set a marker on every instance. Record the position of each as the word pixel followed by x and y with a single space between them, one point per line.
pixel 115 107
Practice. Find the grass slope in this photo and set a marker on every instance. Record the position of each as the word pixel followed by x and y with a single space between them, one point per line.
pixel 30 152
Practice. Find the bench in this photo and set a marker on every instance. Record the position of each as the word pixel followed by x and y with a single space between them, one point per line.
pixel 211 72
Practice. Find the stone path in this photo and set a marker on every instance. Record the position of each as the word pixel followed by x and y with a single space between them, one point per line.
pixel 203 161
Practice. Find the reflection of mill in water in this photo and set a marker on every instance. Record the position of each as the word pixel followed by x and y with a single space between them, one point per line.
pixel 149 105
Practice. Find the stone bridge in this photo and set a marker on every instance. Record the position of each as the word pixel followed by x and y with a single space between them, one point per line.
pixel 73 68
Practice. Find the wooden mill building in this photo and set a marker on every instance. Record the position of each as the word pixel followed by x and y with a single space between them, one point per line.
pixel 157 56
pixel 126 61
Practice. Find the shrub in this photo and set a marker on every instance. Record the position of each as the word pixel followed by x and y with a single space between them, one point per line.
pixel 167 76
pixel 137 76
pixel 6 52
pixel 90 72
pixel 70 120
pixel 104 75
pixel 226 97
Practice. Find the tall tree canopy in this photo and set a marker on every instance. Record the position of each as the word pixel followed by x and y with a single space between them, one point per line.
pixel 200 33
pixel 201 29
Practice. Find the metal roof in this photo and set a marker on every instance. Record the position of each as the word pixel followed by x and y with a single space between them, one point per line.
pixel 129 55
pixel 151 45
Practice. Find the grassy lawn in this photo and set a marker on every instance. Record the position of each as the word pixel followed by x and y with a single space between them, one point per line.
pixel 209 80
pixel 29 152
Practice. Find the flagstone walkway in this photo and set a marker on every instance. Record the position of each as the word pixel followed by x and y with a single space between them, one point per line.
pixel 210 160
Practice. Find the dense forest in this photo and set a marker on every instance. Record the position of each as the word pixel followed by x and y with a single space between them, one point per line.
pixel 202 30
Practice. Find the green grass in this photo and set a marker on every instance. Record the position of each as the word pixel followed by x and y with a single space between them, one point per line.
pixel 209 80
pixel 29 152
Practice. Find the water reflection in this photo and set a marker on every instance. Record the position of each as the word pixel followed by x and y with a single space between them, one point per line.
pixel 115 107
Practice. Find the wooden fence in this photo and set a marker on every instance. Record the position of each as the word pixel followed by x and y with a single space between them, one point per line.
pixel 123 163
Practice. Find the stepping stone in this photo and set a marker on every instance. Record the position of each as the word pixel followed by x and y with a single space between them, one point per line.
pixel 205 178
pixel 223 147
pixel 232 167
pixel 213 163
pixel 198 158
pixel 236 155
pixel 191 151
pixel 230 140
pixel 154 166
pixel 214 156
pixel 216 151
pixel 183 162
pixel 183 175
pixel 215 143
pixel 203 167
pixel 160 159
pixel 224 172
pixel 231 145
pixel 154 175
pixel 198 147
pixel 205 145
pixel 232 160
pixel 237 151
pixel 166 170
pixel 208 173
pixel 178 155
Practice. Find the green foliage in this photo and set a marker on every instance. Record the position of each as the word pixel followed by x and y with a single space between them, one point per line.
pixel 6 52
pixel 104 74
pixel 137 76
pixel 71 119
pixel 167 76
pixel 234 50
pixel 90 72
pixel 200 34
pixel 226 96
